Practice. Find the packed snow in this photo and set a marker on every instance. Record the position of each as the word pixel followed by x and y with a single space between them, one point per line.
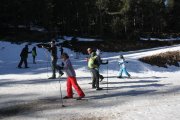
pixel 153 93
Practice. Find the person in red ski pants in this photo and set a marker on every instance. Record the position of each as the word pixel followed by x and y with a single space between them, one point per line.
pixel 71 78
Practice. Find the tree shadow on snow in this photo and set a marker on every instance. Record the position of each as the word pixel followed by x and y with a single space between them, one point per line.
pixel 135 86
pixel 34 81
pixel 149 87
pixel 135 77
pixel 124 82
pixel 28 107
pixel 128 93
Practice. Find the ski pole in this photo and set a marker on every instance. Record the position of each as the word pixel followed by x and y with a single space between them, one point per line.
pixel 47 63
pixel 107 78
pixel 61 94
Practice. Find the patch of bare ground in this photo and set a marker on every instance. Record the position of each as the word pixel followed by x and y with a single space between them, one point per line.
pixel 163 59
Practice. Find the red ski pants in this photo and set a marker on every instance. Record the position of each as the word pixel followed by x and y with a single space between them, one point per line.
pixel 71 81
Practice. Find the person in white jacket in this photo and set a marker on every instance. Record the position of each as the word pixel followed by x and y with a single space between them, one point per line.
pixel 122 67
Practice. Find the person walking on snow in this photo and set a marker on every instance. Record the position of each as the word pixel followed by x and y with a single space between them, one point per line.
pixel 24 56
pixel 53 50
pixel 100 61
pixel 71 78
pixel 122 68
pixel 93 67
pixel 34 54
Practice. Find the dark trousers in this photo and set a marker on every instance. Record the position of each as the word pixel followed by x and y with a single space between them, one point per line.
pixel 59 69
pixel 34 59
pixel 95 78
pixel 23 60
pixel 54 64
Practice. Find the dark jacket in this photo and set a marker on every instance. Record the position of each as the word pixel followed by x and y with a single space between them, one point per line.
pixel 53 51
pixel 100 61
pixel 24 52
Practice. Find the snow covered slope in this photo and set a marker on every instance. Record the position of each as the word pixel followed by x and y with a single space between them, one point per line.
pixel 153 93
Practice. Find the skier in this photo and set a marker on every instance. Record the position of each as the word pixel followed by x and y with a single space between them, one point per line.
pixel 34 54
pixel 53 50
pixel 100 61
pixel 24 56
pixel 122 69
pixel 71 78
pixel 93 66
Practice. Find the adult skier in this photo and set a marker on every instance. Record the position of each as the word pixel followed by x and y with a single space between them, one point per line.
pixel 53 50
pixel 93 67
pixel 71 78
pixel 122 66
pixel 24 56
pixel 100 61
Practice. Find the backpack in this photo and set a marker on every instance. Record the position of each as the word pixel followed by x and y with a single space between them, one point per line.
pixel 93 62
pixel 97 61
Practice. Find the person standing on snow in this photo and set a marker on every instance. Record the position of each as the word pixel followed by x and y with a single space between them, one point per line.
pixel 53 50
pixel 100 61
pixel 71 78
pixel 93 66
pixel 122 68
pixel 24 56
pixel 34 54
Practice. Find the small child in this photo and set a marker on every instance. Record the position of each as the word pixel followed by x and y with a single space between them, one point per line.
pixel 122 69
pixel 34 54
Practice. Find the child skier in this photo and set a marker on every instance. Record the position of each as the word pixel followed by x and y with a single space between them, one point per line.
pixel 34 54
pixel 71 78
pixel 122 69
